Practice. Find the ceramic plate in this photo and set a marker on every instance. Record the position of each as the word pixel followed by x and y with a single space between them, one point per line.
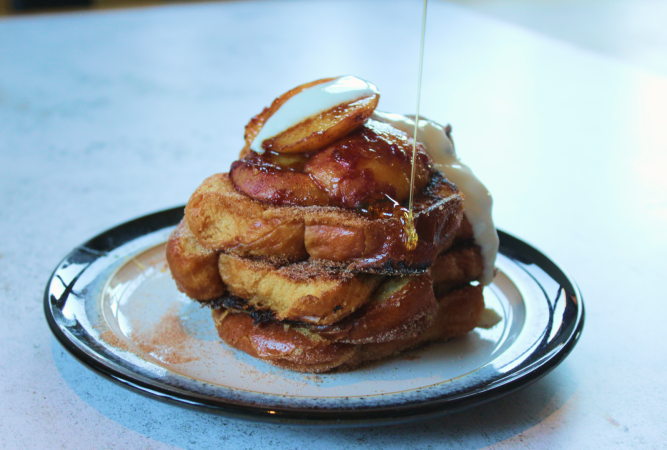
pixel 113 304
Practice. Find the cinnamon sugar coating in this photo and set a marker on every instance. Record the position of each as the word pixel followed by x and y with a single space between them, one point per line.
pixel 300 349
pixel 223 219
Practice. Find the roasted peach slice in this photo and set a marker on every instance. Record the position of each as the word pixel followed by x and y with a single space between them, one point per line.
pixel 275 186
pixel 257 122
pixel 373 161
pixel 315 132
pixel 321 130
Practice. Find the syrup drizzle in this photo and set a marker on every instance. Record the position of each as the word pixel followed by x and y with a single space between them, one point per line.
pixel 382 206
pixel 410 237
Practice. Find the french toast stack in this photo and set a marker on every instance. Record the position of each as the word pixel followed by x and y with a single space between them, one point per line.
pixel 301 250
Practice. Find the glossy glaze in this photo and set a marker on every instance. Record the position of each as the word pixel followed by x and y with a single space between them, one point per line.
pixel 372 162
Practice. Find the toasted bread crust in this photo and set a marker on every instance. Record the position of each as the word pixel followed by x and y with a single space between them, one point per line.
pixel 193 267
pixel 301 291
pixel 459 312
pixel 281 345
pixel 301 350
pixel 308 291
pixel 401 307
pixel 223 219
pixel 456 267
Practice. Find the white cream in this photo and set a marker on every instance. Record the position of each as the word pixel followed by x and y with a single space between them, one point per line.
pixel 310 102
pixel 477 201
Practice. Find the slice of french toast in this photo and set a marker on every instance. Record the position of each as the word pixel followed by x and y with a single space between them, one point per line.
pixel 302 291
pixel 303 350
pixel 281 345
pixel 193 267
pixel 221 218
pixel 457 266
pixel 400 307
pixel 197 272
pixel 459 312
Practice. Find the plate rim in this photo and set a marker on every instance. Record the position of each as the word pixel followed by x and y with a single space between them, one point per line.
pixel 352 417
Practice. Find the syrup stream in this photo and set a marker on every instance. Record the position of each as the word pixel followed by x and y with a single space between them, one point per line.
pixel 411 237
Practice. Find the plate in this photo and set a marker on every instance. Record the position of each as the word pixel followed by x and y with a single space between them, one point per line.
pixel 113 305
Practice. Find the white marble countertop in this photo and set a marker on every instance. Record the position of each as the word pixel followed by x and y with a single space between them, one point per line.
pixel 108 116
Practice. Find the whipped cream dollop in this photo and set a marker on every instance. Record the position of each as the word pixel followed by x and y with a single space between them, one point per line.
pixel 477 201
pixel 310 102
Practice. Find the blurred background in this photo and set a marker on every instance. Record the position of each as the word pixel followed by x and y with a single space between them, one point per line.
pixel 633 30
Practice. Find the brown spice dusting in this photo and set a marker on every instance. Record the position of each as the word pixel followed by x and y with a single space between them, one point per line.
pixel 110 338
pixel 167 341
pixel 314 378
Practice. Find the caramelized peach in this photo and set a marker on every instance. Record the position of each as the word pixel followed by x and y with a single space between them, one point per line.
pixel 275 186
pixel 321 130
pixel 315 132
pixel 257 122
pixel 374 160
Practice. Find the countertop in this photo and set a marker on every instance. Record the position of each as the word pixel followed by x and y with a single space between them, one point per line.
pixel 107 116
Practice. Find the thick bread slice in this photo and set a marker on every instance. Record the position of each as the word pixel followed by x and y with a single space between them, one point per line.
pixel 302 291
pixel 223 219
pixel 465 234
pixel 377 245
pixel 281 345
pixel 194 268
pixel 459 313
pixel 401 307
pixel 456 267
pixel 301 350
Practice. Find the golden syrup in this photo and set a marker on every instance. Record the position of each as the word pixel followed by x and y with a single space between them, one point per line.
pixel 378 206
pixel 294 162
pixel 410 237
pixel 382 206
